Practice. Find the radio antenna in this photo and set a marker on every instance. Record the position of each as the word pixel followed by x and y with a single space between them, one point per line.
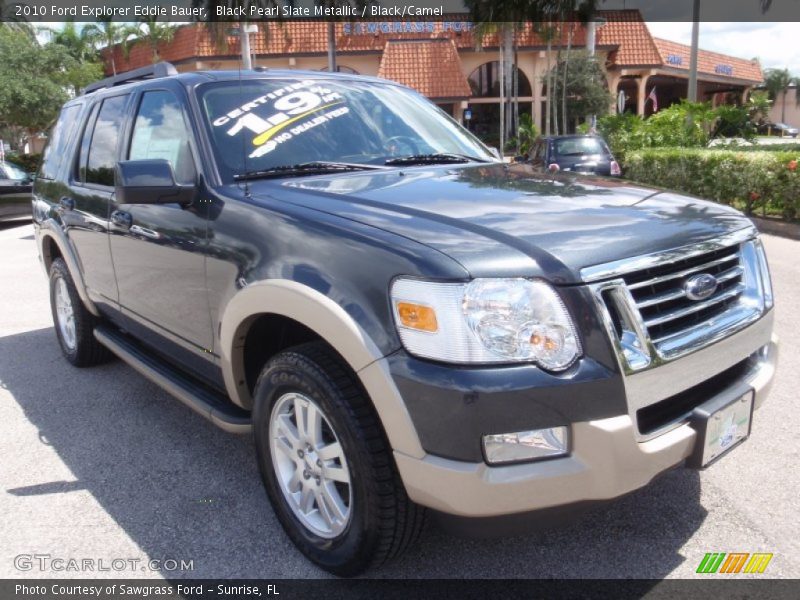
pixel 244 142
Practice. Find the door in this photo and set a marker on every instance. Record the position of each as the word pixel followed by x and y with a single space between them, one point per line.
pixel 85 207
pixel 15 191
pixel 158 249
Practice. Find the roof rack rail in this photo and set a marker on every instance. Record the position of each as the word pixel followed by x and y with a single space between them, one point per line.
pixel 162 69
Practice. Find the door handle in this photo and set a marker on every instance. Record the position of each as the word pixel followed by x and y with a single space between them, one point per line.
pixel 122 219
pixel 145 232
pixel 67 203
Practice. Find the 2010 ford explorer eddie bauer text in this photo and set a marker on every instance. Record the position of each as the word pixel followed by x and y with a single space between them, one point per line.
pixel 407 325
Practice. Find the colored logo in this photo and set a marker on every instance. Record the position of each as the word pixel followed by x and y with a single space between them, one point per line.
pixel 734 562
pixel 700 286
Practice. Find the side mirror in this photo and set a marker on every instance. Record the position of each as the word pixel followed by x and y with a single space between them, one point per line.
pixel 150 181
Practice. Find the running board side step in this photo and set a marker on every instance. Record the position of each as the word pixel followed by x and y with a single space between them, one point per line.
pixel 201 400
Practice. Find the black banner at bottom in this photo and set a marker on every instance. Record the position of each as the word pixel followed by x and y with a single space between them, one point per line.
pixel 390 589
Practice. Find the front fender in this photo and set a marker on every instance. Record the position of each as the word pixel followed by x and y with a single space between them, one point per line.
pixel 334 325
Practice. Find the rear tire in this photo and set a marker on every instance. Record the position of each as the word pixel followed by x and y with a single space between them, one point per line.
pixel 74 324
pixel 375 520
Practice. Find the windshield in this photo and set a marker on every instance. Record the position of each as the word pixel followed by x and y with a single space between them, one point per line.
pixel 579 146
pixel 263 124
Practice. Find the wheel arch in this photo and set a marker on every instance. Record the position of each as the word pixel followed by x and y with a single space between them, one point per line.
pixel 328 321
pixel 53 244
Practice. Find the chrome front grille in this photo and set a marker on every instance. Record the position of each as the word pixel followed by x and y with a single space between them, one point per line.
pixel 659 293
pixel 653 320
pixel 648 309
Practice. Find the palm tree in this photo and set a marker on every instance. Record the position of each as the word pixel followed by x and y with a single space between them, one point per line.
pixel 777 81
pixel 692 87
pixel 106 33
pixel 506 16
pixel 219 27
pixel 358 5
pixel 154 33
pixel 77 43
pixel 507 70
pixel 547 33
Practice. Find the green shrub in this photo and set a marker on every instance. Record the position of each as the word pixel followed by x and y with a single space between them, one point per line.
pixel 27 162
pixel 672 127
pixel 764 182
pixel 734 122
pixel 527 133
pixel 739 147
pixel 684 125
pixel 623 133
pixel 669 127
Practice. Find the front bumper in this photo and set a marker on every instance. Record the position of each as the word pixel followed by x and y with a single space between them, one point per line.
pixel 607 460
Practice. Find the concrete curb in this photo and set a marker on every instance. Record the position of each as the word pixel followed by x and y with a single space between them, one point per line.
pixel 777 227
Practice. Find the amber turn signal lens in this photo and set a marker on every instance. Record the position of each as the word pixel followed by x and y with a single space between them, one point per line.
pixel 417 316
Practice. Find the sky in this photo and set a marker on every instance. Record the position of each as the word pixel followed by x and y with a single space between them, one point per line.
pixel 776 45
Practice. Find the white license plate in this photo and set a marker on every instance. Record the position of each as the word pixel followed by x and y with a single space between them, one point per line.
pixel 727 428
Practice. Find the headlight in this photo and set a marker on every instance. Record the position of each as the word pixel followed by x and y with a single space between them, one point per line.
pixel 485 321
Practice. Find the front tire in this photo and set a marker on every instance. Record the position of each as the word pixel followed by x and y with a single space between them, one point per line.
pixel 326 465
pixel 74 324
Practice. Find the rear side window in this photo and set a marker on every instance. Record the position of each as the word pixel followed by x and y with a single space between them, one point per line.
pixel 161 132
pixel 60 137
pixel 102 156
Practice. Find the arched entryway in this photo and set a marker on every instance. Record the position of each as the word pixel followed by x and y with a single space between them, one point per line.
pixel 484 104
pixel 485 81
pixel 629 86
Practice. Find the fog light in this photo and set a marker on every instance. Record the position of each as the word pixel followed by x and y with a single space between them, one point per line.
pixel 525 445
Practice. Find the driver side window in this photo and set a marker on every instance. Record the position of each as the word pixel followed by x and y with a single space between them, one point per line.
pixel 160 131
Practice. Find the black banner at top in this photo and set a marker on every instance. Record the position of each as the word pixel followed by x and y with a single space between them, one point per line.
pixel 177 11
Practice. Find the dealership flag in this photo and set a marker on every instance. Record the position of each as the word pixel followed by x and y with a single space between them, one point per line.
pixel 652 96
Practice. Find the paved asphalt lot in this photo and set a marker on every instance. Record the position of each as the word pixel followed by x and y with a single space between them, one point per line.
pixel 102 464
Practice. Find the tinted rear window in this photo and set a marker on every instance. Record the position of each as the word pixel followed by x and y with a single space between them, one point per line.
pixel 56 151
pixel 105 139
pixel 579 146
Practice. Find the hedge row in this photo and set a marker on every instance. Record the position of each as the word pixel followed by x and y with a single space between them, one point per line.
pixel 766 183
pixel 759 148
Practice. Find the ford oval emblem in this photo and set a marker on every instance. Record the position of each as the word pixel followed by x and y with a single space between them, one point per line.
pixel 700 287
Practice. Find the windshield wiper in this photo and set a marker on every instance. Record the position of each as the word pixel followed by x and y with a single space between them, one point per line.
pixel 309 168
pixel 439 157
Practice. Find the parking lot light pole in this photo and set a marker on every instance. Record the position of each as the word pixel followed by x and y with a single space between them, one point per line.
pixel 247 29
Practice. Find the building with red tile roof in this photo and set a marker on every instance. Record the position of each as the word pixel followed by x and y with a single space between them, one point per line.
pixel 432 67
pixel 444 61
pixel 676 56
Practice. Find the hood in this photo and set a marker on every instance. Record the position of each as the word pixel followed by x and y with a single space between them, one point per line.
pixel 499 220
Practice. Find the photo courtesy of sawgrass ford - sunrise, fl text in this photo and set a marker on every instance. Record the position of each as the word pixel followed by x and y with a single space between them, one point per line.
pixel 399 299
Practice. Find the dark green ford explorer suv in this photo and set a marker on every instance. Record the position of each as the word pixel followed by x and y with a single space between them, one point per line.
pixel 408 326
